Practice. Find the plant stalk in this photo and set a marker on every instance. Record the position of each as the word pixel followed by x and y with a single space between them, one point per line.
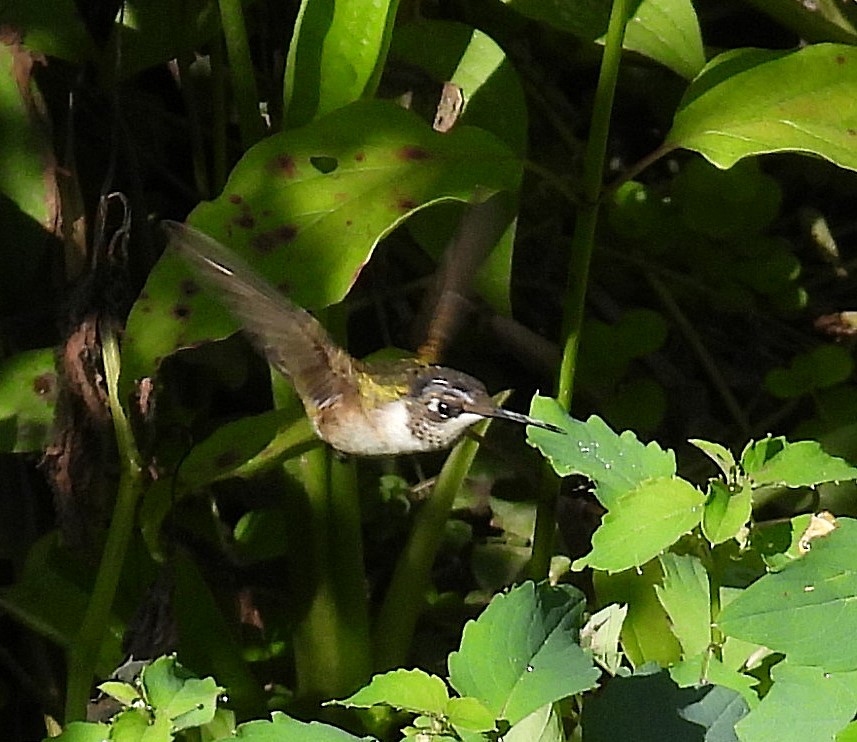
pixel 582 246
pixel 84 653
pixel 243 78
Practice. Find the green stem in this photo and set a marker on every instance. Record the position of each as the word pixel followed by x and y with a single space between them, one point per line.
pixel 582 245
pixel 405 598
pixel 331 637
pixel 241 66
pixel 84 652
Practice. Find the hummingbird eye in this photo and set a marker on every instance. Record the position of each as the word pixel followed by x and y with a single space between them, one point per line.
pixel 444 410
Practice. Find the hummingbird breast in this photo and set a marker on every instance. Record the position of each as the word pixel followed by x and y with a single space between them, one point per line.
pixel 382 430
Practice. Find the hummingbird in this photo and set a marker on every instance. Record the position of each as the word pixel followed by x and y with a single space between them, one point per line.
pixel 378 408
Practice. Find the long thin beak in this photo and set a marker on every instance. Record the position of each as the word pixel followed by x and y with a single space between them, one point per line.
pixel 517 417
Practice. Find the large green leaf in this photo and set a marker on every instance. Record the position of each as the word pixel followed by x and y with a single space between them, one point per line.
pixel 522 651
pixel 642 523
pixel 685 597
pixel 282 728
pixel 752 101
pixel 335 56
pixel 646 632
pixel 775 461
pixel 785 611
pixel 804 703
pixel 664 30
pixel 307 207
pixel 615 463
pixel 29 201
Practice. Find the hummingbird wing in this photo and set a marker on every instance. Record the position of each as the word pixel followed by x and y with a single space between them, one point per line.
pixel 293 341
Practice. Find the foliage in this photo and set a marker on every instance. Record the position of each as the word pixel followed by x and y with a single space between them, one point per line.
pixel 196 512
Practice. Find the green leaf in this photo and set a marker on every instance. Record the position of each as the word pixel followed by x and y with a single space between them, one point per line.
pixel 726 512
pixel 470 714
pixel 309 229
pixel 29 201
pixel 685 597
pixel 28 392
pixel 125 693
pixel 522 651
pixel 543 725
pixel 751 101
pixel 137 725
pixel 229 448
pixel 82 731
pixel 819 368
pixel 646 632
pixel 775 461
pixel 717 712
pixel 615 463
pixel 803 703
pixel 668 32
pixel 705 669
pixel 54 29
pixel 786 610
pixel 601 635
pixel 283 728
pixel 664 30
pixel 335 57
pixel 720 455
pixel 642 523
pixel 414 691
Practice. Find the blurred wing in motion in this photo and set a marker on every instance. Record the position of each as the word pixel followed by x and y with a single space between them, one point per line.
pixel 293 341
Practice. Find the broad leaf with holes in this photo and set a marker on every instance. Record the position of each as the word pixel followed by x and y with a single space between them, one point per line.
pixel 306 208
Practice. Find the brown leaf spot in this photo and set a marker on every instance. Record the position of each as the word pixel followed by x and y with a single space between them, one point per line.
pixel 189 287
pixel 227 459
pixel 348 222
pixel 851 132
pixel 181 311
pixel 234 198
pixel 45 384
pixel 406 204
pixel 245 221
pixel 266 242
pixel 283 165
pixel 360 156
pixel 284 287
pixel 840 59
pixel 412 152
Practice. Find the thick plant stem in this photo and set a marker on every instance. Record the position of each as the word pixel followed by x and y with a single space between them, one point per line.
pixel 84 652
pixel 405 598
pixel 331 638
pixel 582 245
pixel 241 67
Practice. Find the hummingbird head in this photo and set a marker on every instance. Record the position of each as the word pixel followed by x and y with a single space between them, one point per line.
pixel 443 403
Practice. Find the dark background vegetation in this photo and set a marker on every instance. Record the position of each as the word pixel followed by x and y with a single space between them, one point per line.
pixel 712 313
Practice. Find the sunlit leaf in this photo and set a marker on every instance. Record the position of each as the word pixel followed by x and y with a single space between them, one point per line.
pixel 752 101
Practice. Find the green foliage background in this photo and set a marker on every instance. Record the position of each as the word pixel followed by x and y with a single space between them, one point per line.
pixel 670 188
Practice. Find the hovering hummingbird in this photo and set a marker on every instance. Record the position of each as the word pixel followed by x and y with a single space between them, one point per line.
pixel 363 408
